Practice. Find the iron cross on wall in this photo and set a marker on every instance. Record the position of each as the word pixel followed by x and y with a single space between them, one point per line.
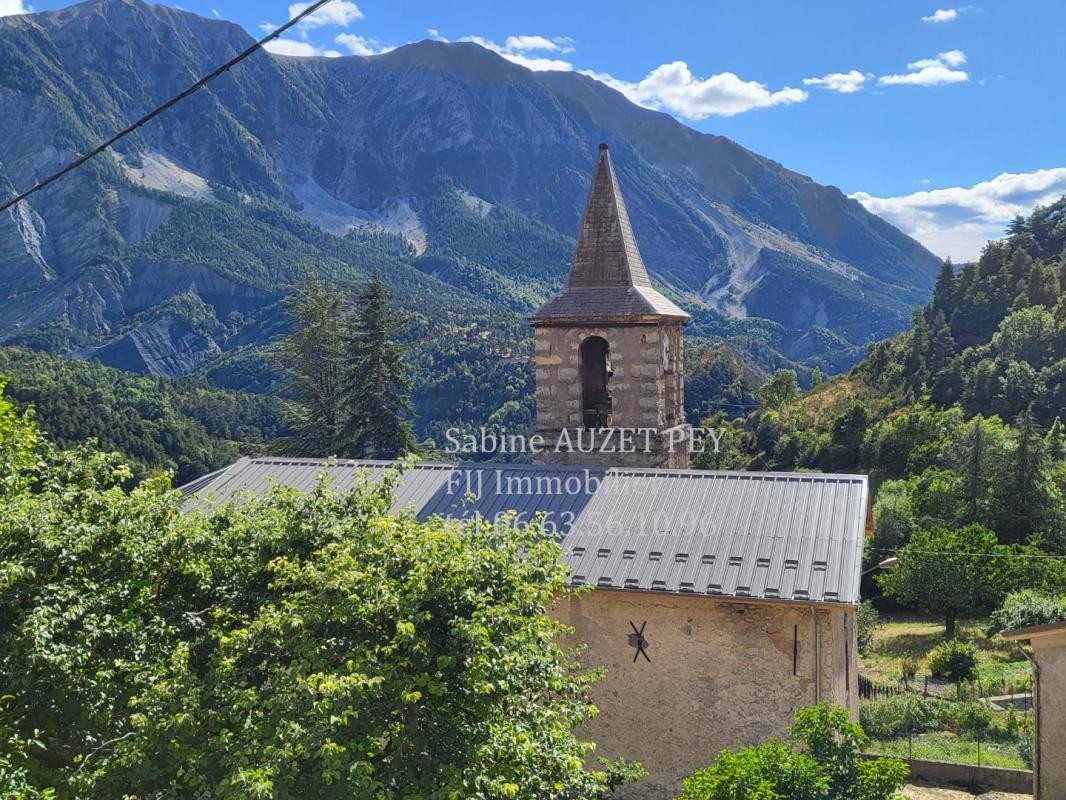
pixel 637 640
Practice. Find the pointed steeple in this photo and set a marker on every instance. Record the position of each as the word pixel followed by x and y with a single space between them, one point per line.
pixel 608 278
pixel 606 253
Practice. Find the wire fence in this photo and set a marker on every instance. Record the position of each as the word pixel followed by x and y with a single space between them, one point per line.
pixel 985 723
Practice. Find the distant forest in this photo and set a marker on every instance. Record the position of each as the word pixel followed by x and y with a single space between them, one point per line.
pixel 185 425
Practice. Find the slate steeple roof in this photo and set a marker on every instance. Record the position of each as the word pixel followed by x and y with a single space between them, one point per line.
pixel 608 278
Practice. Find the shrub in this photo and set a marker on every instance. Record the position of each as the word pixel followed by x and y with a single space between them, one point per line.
pixel 829 768
pixel 1026 608
pixel 976 719
pixel 953 660
pixel 1025 750
pixel 897 716
pixel 908 668
pixel 866 623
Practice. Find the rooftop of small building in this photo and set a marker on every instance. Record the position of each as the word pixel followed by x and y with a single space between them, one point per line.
pixel 757 536
pixel 1036 632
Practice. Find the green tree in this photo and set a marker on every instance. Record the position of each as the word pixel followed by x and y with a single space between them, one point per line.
pixel 846 436
pixel 376 385
pixel 1025 500
pixel 310 361
pixel 1027 335
pixel 290 646
pixel 945 571
pixel 19 442
pixel 780 390
pixel 945 290
pixel 829 767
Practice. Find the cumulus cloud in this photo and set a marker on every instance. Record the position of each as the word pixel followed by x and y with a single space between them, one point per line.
pixel 11 7
pixel 295 47
pixel 530 43
pixel 942 15
pixel 361 45
pixel 931 71
pixel 674 88
pixel 339 12
pixel 522 54
pixel 957 221
pixel 843 82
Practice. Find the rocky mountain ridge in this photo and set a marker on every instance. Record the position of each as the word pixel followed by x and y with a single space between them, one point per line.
pixel 459 175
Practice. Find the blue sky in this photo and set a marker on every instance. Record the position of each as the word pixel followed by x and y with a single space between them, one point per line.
pixel 947 119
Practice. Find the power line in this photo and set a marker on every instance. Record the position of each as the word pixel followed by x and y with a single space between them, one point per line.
pixel 73 165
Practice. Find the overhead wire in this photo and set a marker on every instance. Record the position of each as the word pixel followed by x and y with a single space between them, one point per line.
pixel 155 112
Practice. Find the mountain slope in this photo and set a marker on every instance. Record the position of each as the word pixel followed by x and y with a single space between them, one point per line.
pixel 459 175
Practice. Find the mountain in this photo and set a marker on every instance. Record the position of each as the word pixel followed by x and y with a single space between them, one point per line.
pixel 459 175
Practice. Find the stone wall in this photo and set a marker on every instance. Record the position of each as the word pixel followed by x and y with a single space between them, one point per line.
pixel 647 387
pixel 721 674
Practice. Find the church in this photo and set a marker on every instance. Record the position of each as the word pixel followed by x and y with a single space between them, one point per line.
pixel 721 602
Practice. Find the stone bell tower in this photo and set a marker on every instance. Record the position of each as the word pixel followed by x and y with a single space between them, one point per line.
pixel 609 350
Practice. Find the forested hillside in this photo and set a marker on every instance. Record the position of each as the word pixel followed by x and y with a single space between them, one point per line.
pixel 959 421
pixel 156 423
pixel 458 175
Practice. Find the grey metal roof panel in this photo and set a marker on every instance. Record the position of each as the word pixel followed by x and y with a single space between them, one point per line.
pixel 770 536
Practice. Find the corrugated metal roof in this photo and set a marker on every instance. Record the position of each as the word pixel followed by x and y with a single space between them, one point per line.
pixel 762 535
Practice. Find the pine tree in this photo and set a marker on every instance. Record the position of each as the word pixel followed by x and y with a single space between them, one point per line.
pixel 376 384
pixel 309 361
pixel 1025 504
pixel 1043 288
pixel 1055 441
pixel 945 290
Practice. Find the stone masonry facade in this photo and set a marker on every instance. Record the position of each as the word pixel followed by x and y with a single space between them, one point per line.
pixel 646 388
pixel 719 675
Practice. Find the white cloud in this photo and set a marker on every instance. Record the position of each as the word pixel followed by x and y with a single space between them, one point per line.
pixel 674 88
pixel 294 47
pixel 360 45
pixel 11 7
pixel 518 55
pixel 931 71
pixel 957 221
pixel 942 15
pixel 339 12
pixel 530 43
pixel 670 87
pixel 843 82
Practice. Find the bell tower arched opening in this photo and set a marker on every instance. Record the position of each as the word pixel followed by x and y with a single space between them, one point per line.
pixel 595 374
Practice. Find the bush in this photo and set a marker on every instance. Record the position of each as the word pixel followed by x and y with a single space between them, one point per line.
pixel 1026 608
pixel 1025 750
pixel 898 716
pixel 829 768
pixel 976 720
pixel 866 623
pixel 953 660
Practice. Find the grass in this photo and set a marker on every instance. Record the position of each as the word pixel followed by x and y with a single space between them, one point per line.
pixel 941 747
pixel 903 636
